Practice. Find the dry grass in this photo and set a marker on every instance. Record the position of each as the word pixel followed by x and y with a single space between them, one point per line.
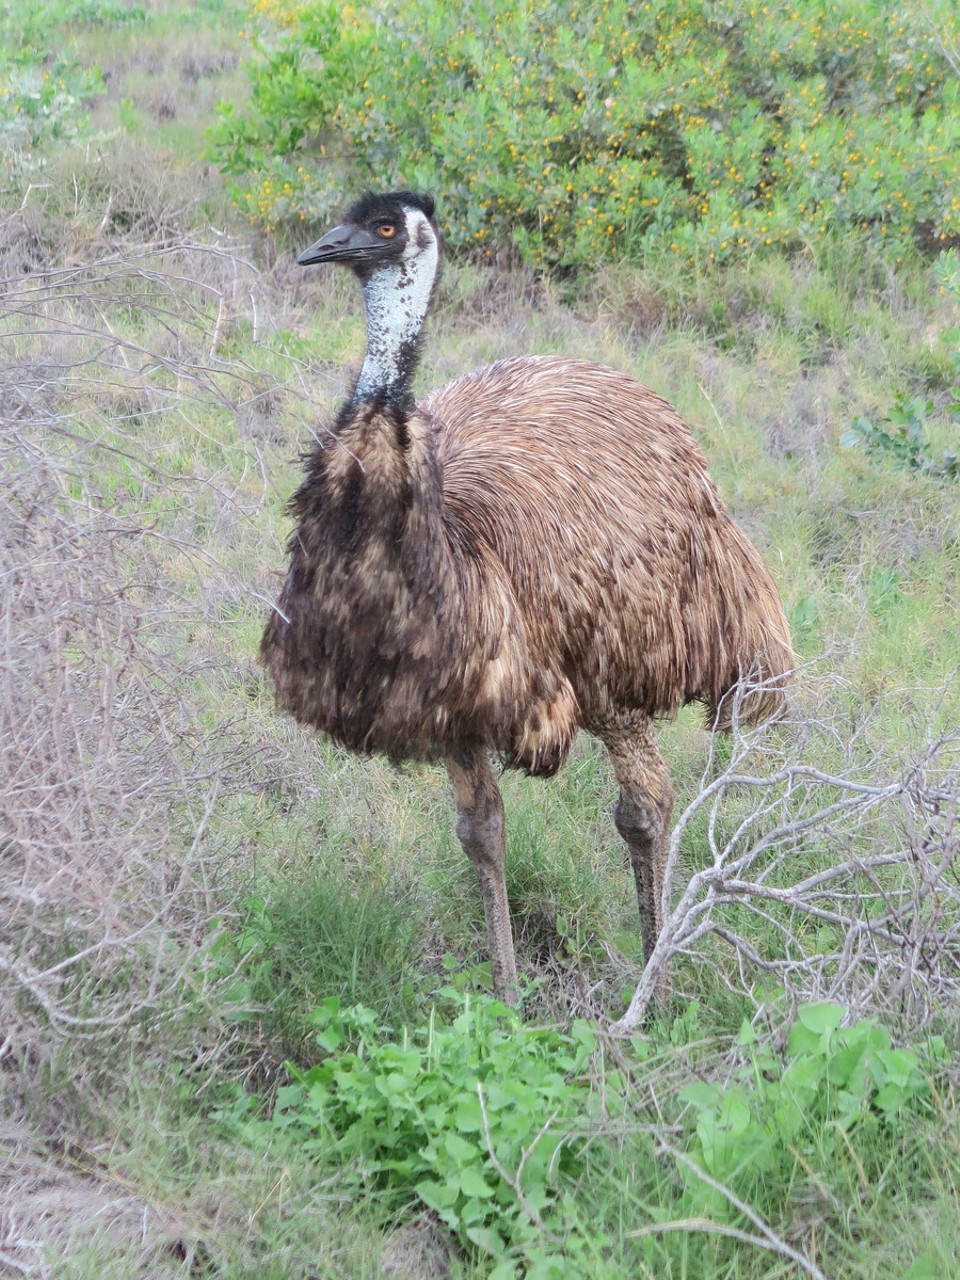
pixel 112 759
pixel 49 1212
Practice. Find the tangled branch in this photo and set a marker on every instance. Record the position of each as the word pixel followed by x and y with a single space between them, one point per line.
pixel 109 771
pixel 842 887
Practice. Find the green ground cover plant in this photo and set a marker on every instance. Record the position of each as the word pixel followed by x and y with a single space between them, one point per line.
pixel 421 1119
pixel 903 434
pixel 586 133
pixel 511 1132
pixel 831 1081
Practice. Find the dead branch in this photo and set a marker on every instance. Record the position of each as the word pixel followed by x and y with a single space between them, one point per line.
pixel 111 773
pixel 782 844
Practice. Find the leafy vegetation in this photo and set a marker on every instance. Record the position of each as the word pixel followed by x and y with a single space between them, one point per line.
pixel 502 1128
pixel 42 91
pixel 421 1120
pixel 833 1085
pixel 242 974
pixel 611 129
pixel 904 436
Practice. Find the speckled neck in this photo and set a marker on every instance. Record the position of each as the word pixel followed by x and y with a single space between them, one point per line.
pixel 396 299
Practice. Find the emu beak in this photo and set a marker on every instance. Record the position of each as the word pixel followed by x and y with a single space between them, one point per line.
pixel 343 244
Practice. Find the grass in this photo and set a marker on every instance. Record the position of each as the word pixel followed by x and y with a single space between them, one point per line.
pixel 194 876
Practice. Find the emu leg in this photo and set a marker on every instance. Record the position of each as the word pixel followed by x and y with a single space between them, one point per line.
pixel 642 816
pixel 480 828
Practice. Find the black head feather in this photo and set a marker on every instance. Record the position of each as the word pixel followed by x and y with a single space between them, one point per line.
pixel 388 202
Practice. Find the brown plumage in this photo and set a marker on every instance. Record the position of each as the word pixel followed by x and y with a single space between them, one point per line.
pixel 534 548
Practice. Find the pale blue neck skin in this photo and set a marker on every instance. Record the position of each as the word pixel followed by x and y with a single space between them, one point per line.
pixel 396 299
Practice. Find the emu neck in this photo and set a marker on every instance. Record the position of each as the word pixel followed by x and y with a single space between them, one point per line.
pixel 396 300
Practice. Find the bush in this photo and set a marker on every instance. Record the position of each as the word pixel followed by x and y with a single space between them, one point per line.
pixel 581 133
pixel 480 1119
pixel 42 86
pixel 542 1161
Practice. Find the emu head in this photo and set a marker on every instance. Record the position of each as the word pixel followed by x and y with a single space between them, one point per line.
pixel 392 245
pixel 379 232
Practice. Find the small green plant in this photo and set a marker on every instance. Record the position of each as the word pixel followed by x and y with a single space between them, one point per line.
pixel 832 1084
pixel 481 1118
pixel 804 622
pixel 904 437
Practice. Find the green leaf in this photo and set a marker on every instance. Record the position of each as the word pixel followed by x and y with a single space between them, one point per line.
pixel 487 1240
pixel 551 1266
pixel 440 1196
pixel 735 1115
pixel 924 1267
pixel 468 1117
pixel 813 1029
pixel 820 1018
pixel 700 1094
pixel 505 1271
pixel 898 1066
pixel 789 1119
pixel 891 1098
pixel 847 1066
pixel 803 1075
pixel 936 1048
pixel 460 1151
pixel 498 1098
pixel 288 1095
pixel 473 1183
pixel 330 1008
pixel 331 1039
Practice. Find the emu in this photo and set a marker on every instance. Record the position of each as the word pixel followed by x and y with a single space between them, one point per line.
pixel 534 548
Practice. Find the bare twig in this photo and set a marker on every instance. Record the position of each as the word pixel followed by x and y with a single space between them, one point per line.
pixel 766 1239
pixel 870 862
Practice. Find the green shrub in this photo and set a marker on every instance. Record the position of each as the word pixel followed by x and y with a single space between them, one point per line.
pixel 540 1155
pixel 835 1087
pixel 481 1119
pixel 38 106
pixel 578 133
pixel 43 85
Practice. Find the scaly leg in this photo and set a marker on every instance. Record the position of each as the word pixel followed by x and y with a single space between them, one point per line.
pixel 480 828
pixel 642 815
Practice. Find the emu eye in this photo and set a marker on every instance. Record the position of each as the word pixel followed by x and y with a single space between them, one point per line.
pixel 387 229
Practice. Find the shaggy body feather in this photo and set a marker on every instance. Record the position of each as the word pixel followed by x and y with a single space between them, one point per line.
pixel 536 547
